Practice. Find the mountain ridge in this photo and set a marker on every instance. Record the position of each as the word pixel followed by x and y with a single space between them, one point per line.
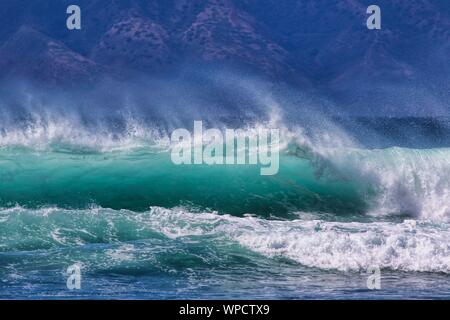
pixel 308 43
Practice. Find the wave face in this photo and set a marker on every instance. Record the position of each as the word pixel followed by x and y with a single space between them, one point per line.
pixel 138 179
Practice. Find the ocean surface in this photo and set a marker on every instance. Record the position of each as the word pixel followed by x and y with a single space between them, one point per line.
pixel 344 200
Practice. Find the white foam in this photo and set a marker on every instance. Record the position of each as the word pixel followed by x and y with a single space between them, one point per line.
pixel 356 246
pixel 406 181
pixel 352 246
pixel 413 245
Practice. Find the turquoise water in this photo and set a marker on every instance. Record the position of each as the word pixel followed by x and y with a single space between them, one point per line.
pixel 146 177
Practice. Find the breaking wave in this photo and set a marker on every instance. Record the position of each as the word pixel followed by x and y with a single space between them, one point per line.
pixel 70 164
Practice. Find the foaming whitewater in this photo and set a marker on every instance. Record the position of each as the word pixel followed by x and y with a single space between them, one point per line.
pixel 415 182
pixel 345 246
pixel 403 181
